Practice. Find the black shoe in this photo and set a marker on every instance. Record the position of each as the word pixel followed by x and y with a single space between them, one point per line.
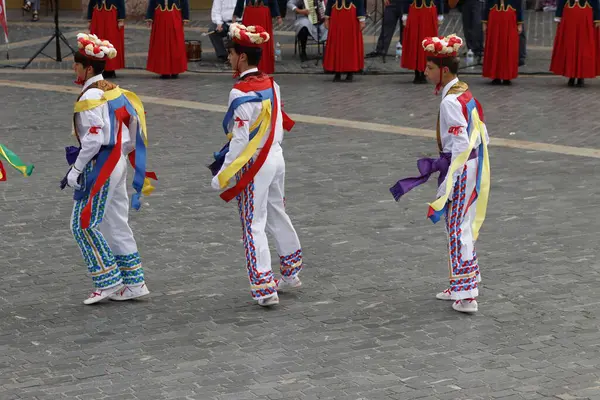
pixel 174 76
pixel 506 82
pixel 417 79
pixel 372 54
pixel 350 77
pixel 571 82
pixel 165 77
pixel 303 57
pixel 580 82
pixel 496 82
pixel 521 63
pixel 337 77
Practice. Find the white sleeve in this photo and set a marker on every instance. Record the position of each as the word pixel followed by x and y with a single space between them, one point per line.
pixel 456 133
pixel 91 124
pixel 240 136
pixel 215 13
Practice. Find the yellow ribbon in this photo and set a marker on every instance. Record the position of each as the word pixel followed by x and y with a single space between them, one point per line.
pixel 477 131
pixel 264 121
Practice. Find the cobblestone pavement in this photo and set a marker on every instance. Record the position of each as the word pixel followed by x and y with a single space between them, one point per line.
pixel 365 325
pixel 539 26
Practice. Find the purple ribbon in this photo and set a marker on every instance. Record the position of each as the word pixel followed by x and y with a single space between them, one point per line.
pixel 426 166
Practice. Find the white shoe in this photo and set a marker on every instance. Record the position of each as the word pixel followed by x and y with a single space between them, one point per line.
pixel 466 306
pixel 101 294
pixel 288 284
pixel 269 301
pixel 445 295
pixel 130 292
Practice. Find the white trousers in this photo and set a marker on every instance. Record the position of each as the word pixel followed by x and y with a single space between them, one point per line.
pixel 262 208
pixel 460 214
pixel 108 246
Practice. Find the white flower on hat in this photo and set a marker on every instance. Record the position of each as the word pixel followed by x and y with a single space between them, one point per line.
pixel 112 53
pixel 89 49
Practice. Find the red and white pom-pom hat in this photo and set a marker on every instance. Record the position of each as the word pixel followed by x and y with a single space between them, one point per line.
pixel 249 36
pixel 442 47
pixel 94 48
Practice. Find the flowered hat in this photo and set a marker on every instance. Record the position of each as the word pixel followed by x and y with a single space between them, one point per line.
pixel 442 46
pixel 94 48
pixel 250 36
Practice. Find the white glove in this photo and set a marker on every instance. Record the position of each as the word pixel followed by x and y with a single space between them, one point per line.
pixel 440 18
pixel 72 177
pixel 404 18
pixel 557 19
pixel 215 183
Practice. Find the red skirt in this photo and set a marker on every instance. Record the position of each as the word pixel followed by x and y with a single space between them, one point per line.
pixel 575 52
pixel 501 60
pixel 344 51
pixel 105 26
pixel 422 22
pixel 261 15
pixel 167 54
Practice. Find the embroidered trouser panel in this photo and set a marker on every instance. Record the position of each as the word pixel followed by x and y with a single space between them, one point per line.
pixel 262 208
pixel 108 246
pixel 463 266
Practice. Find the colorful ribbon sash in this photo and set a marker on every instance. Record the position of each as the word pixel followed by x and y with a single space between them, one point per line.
pixel 122 105
pixel 476 130
pixel 266 94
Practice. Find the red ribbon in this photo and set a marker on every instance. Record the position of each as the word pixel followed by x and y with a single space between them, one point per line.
pixel 121 115
pixel 2 172
pixel 149 174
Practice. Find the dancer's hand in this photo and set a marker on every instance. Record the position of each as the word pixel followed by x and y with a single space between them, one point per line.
pixel 72 178
pixel 121 24
pixel 326 23
pixel 149 24
pixel 219 28
pixel 362 25
pixel 89 25
pixel 484 28
pixel 597 24
pixel 279 20
pixel 520 28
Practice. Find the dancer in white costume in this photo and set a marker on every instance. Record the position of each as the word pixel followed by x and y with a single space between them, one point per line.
pixel 108 123
pixel 464 181
pixel 252 162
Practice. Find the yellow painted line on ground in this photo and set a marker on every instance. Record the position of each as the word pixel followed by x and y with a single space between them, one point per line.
pixel 341 123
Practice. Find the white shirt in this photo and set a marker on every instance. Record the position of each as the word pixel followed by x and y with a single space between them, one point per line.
pixel 222 11
pixel 93 127
pixel 244 116
pixel 453 126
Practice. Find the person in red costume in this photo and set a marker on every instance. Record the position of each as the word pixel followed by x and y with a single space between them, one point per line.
pixel 576 52
pixel 344 53
pixel 260 13
pixel 106 19
pixel 167 55
pixel 421 19
pixel 502 25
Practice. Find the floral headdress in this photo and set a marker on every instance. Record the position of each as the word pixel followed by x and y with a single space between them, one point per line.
pixel 94 48
pixel 250 36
